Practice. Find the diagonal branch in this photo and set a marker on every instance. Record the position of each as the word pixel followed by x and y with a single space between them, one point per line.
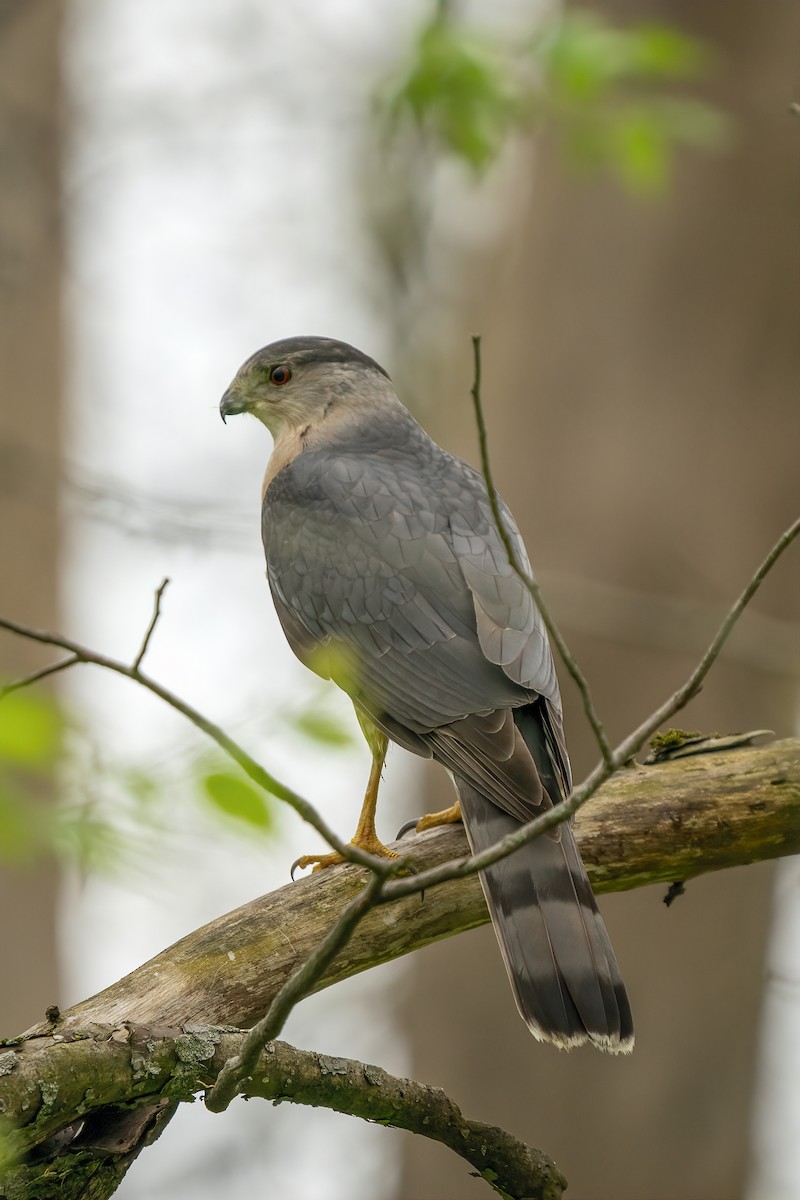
pixel 467 865
pixel 634 742
pixel 253 769
pixel 294 990
pixel 35 676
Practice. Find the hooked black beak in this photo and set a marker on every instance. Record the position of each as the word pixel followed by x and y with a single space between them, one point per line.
pixel 231 404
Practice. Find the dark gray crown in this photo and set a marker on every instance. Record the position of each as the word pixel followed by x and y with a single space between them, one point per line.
pixel 301 350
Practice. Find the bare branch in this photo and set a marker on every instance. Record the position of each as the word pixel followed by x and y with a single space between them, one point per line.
pixel 308 972
pixel 294 990
pixel 153 622
pixel 27 680
pixel 634 742
pixel 525 576
pixel 253 769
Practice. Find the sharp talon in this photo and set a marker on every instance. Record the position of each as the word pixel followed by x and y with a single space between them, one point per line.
pixel 404 829
pixel 317 862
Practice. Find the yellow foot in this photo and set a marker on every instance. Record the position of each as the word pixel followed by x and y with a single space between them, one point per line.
pixel 320 861
pixel 448 816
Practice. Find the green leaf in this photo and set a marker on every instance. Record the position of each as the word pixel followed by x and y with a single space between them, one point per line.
pixel 322 727
pixel 30 730
pixel 236 798
pixel 641 150
pixel 658 51
pixel 584 57
pixel 458 91
pixel 611 91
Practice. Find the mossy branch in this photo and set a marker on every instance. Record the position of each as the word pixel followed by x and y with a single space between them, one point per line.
pixel 120 1081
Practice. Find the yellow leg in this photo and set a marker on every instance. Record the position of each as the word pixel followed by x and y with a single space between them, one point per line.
pixel 365 836
pixel 447 816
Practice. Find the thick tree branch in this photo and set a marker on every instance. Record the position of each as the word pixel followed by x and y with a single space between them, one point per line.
pixel 90 1096
pixel 647 825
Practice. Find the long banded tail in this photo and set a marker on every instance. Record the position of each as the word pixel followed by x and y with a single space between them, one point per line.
pixel 554 942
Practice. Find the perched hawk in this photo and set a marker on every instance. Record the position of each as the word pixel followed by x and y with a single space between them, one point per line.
pixel 389 575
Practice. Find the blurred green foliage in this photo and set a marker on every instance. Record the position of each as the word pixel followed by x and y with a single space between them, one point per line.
pixel 320 726
pixel 62 796
pixel 457 89
pixel 30 736
pixel 235 797
pixel 30 730
pixel 611 94
pixel 33 739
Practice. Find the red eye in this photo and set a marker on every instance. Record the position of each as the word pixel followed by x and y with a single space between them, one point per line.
pixel 280 375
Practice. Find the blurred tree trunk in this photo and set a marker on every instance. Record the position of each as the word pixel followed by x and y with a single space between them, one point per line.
pixel 640 374
pixel 30 352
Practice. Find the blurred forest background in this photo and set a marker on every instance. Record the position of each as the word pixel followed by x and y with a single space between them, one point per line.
pixel 610 196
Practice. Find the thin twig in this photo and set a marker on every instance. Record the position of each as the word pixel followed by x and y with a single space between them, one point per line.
pixel 634 742
pixel 523 573
pixel 35 676
pixel 137 662
pixel 622 754
pixel 296 987
pixel 253 769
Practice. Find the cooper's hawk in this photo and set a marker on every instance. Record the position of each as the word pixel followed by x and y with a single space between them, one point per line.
pixel 389 576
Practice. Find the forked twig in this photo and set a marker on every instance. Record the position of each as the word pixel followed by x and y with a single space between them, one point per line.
pixel 254 770
pixel 137 662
